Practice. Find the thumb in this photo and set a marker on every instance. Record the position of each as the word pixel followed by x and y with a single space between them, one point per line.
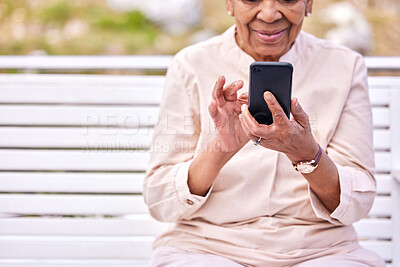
pixel 298 113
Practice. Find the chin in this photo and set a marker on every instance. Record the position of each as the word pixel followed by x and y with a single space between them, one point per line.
pixel 271 54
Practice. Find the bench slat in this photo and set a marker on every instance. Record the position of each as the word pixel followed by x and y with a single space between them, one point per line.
pixel 26 247
pixel 108 160
pixel 134 225
pixel 379 96
pixel 71 182
pixel 55 137
pixel 383 183
pixel 105 115
pixel 381 139
pixel 382 63
pixel 100 182
pixel 382 207
pixel 137 95
pixel 115 89
pixel 108 205
pixel 71 204
pixel 64 247
pixel 383 82
pixel 134 62
pixel 380 117
pixel 139 225
pixel 382 228
pixel 128 117
pixel 382 162
pixel 29 79
pixel 382 248
pixel 69 89
pixel 73 160
pixel 77 137
pixel 72 263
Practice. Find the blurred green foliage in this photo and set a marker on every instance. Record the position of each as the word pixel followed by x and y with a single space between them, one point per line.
pixel 72 27
pixel 58 12
pixel 90 27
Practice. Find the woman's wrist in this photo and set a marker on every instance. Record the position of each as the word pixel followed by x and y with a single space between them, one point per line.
pixel 206 166
pixel 307 154
pixel 216 151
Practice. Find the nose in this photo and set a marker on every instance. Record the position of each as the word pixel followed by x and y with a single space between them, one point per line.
pixel 269 11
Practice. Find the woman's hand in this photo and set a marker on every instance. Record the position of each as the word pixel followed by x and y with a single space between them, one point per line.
pixel 295 139
pixel 292 137
pixel 225 109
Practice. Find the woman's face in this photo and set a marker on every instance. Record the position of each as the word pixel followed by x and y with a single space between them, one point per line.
pixel 266 29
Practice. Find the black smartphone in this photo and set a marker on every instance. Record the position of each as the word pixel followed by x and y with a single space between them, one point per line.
pixel 275 77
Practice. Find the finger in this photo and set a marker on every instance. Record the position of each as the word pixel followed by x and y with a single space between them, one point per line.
pixel 299 114
pixel 278 115
pixel 230 91
pixel 244 95
pixel 256 129
pixel 217 93
pixel 213 110
pixel 244 98
pixel 246 129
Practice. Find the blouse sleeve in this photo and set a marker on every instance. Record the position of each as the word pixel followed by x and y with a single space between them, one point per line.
pixel 352 151
pixel 175 138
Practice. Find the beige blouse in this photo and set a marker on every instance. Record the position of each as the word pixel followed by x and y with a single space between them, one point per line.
pixel 260 211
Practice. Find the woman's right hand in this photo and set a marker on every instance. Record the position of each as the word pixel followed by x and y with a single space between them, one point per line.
pixel 225 109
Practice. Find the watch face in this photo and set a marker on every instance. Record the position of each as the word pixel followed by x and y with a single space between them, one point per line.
pixel 305 168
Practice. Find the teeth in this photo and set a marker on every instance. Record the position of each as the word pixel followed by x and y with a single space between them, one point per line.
pixel 269 34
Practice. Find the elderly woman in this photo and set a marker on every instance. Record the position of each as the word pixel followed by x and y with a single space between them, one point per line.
pixel 233 203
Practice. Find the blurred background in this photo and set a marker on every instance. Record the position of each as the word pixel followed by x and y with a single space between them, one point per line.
pixel 128 27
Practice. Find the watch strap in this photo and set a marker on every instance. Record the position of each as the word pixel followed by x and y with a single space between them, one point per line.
pixel 313 162
pixel 319 154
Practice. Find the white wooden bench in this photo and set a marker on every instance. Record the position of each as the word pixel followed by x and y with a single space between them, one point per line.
pixel 74 147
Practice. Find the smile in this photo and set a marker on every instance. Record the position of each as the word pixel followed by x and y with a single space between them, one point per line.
pixel 270 36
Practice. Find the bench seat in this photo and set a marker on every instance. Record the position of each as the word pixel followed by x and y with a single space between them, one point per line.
pixel 73 152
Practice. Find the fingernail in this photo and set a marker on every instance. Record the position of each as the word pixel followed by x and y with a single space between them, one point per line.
pixel 244 106
pixel 268 96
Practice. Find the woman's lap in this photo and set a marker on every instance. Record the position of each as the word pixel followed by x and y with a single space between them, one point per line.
pixel 357 258
pixel 175 257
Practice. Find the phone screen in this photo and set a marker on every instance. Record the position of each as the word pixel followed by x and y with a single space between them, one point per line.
pixel 275 77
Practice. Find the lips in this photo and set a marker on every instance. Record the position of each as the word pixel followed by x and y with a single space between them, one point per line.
pixel 270 36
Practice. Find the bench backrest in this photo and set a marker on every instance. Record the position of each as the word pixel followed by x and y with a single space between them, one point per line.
pixel 73 151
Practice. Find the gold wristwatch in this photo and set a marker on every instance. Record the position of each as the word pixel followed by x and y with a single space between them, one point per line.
pixel 308 166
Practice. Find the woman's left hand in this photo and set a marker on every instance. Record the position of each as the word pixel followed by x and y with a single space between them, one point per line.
pixel 292 137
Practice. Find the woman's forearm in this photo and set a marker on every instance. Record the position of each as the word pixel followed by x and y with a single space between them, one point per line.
pixel 324 181
pixel 205 167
